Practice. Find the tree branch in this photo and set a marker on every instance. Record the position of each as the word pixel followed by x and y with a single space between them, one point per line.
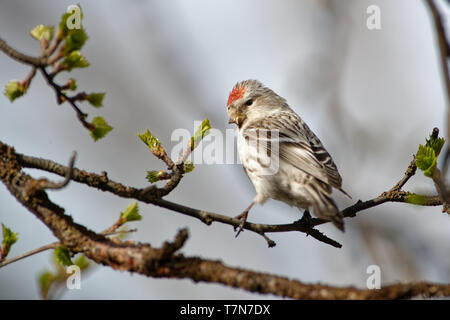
pixel 16 55
pixel 49 246
pixel 42 62
pixel 61 97
pixel 153 196
pixel 164 262
pixel 444 54
pixel 67 178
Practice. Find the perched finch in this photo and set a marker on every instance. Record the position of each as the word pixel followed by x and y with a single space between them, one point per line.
pixel 280 154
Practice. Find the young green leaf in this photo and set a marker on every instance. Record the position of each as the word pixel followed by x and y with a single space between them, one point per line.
pixel 41 31
pixel 75 60
pixel 152 176
pixel 415 198
pixel 131 213
pixel 9 238
pixel 426 160
pixel 101 128
pixel 74 40
pixel 96 99
pixel 201 132
pixel 82 262
pixel 150 140
pixel 46 279
pixel 14 89
pixel 72 84
pixel 436 144
pixel 188 166
pixel 62 255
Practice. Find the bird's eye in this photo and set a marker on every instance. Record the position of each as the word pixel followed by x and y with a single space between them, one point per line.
pixel 249 102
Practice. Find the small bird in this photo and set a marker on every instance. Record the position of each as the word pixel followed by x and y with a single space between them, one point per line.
pixel 301 172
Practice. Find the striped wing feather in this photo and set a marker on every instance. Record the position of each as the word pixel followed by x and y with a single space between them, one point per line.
pixel 300 147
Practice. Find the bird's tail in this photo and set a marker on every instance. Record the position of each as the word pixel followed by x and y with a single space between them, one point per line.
pixel 327 209
pixel 330 212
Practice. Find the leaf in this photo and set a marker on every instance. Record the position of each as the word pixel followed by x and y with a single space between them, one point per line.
pixel 62 255
pixel 188 166
pixel 96 99
pixel 75 60
pixel 152 176
pixel 72 84
pixel 9 238
pixel 74 40
pixel 82 262
pixel 415 198
pixel 436 144
pixel 101 128
pixel 131 213
pixel 46 279
pixel 14 89
pixel 41 31
pixel 426 160
pixel 150 140
pixel 202 131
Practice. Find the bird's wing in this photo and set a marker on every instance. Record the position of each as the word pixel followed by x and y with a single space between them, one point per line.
pixel 299 147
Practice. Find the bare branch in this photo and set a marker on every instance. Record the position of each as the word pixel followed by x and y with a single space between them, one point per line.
pixel 52 245
pixel 444 54
pixel 61 97
pixel 443 45
pixel 164 262
pixel 16 55
pixel 65 182
pixel 153 195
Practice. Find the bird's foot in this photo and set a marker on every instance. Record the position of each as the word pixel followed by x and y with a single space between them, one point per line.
pixel 243 218
pixel 307 221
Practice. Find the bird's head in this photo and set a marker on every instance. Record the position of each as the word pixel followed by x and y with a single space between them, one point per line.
pixel 250 99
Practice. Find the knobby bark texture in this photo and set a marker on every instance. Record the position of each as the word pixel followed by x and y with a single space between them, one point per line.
pixel 165 262
pixel 153 195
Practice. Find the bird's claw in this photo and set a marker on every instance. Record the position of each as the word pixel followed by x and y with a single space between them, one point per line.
pixel 240 228
pixel 307 221
pixel 243 218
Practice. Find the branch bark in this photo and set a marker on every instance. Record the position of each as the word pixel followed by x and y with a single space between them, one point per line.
pixel 165 262
pixel 444 54
pixel 21 57
pixel 153 195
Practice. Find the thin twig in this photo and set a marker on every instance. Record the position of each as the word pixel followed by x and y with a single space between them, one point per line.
pixel 52 245
pixel 61 97
pixel 443 45
pixel 67 179
pixel 152 196
pixel 27 80
pixel 165 262
pixel 16 55
pixel 112 233
pixel 444 54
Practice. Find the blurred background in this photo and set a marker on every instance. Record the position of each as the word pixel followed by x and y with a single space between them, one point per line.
pixel 372 96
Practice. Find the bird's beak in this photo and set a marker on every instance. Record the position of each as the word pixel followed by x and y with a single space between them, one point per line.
pixel 232 113
pixel 235 116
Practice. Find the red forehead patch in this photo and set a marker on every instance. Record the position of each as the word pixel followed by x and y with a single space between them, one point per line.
pixel 235 94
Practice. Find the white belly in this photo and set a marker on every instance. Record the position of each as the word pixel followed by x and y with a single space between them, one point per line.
pixel 282 184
